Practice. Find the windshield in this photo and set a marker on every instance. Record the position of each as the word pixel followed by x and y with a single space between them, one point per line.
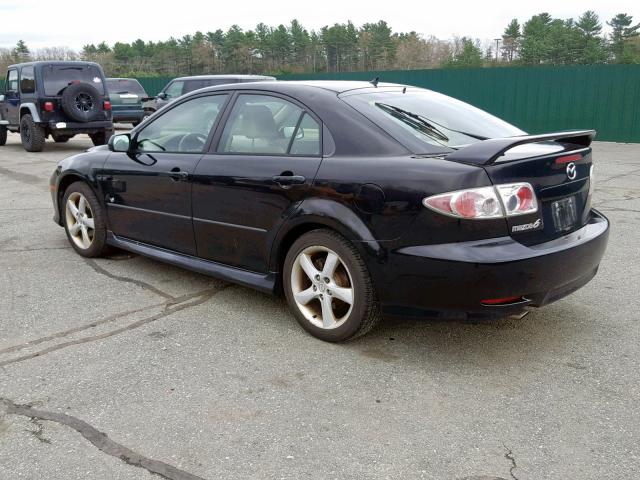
pixel 58 77
pixel 424 120
pixel 125 85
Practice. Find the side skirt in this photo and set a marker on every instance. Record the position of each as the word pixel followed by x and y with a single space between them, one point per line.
pixel 262 282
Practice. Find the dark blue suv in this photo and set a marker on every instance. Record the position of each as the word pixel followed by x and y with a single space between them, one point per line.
pixel 57 100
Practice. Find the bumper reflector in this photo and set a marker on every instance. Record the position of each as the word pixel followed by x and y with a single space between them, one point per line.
pixel 502 301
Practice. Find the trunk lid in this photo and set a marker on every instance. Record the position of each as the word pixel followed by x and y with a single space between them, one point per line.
pixel 558 167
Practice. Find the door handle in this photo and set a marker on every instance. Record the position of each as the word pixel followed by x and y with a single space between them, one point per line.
pixel 177 174
pixel 285 181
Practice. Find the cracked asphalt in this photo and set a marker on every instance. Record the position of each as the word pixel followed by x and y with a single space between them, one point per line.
pixel 126 368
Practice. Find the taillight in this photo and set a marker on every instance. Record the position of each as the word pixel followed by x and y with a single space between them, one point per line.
pixel 518 198
pixel 501 201
pixel 473 203
pixel 48 106
pixel 107 105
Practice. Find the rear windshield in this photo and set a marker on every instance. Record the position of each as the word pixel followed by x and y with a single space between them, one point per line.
pixel 124 85
pixel 428 122
pixel 58 77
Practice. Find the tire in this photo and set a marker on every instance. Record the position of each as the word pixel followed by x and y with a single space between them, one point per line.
pixel 3 135
pixel 101 138
pixel 31 134
pixel 350 320
pixel 60 138
pixel 97 236
pixel 82 102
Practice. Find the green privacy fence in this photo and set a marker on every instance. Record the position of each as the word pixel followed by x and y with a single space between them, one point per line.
pixel 536 99
pixel 153 85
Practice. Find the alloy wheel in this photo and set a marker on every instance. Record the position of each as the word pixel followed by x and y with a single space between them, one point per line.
pixel 322 287
pixel 80 220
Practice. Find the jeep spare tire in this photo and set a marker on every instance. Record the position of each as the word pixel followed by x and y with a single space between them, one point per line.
pixel 82 102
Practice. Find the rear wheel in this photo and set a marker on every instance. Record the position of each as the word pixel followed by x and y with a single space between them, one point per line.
pixel 101 138
pixel 31 134
pixel 328 287
pixel 3 135
pixel 84 220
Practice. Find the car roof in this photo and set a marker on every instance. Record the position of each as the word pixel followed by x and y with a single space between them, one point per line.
pixel 293 86
pixel 55 63
pixel 226 77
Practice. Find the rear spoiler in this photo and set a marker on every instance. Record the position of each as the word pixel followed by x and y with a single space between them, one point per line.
pixel 488 151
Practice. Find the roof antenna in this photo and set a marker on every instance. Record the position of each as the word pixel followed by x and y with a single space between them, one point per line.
pixel 404 90
pixel 375 81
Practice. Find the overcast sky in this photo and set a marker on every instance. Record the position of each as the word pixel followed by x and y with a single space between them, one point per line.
pixel 74 23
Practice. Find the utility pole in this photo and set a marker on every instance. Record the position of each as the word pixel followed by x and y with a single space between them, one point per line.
pixel 497 47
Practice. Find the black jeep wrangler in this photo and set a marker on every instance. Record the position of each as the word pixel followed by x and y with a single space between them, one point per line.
pixel 57 99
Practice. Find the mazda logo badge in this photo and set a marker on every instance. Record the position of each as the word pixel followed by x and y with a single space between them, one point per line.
pixel 572 171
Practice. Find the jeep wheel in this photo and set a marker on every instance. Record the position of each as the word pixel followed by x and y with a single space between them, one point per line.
pixel 3 135
pixel 82 102
pixel 32 134
pixel 101 138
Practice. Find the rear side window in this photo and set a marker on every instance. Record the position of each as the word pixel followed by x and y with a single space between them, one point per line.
pixel 307 138
pixel 58 77
pixel 266 125
pixel 27 80
pixel 12 81
pixel 125 85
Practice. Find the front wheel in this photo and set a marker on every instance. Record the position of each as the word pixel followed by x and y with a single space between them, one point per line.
pixel 84 220
pixel 3 135
pixel 329 288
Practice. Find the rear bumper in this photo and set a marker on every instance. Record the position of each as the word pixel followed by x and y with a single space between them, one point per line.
pixel 78 127
pixel 454 279
pixel 128 115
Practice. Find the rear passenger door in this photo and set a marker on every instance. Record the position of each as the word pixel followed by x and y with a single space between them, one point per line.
pixel 268 152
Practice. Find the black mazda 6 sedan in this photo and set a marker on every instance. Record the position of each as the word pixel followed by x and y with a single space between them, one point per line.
pixel 355 199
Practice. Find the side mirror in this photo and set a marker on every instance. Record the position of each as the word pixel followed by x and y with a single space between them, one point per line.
pixel 1 98
pixel 162 96
pixel 120 143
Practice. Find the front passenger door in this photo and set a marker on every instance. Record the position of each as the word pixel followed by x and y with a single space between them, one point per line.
pixel 12 98
pixel 148 190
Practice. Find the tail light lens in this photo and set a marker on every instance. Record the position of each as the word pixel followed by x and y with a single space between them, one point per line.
pixel 518 199
pixel 107 105
pixel 472 203
pixel 48 106
pixel 500 201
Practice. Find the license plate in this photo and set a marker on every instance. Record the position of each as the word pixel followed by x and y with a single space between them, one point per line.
pixel 564 213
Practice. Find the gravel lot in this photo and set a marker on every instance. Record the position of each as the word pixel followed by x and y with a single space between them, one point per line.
pixel 192 378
